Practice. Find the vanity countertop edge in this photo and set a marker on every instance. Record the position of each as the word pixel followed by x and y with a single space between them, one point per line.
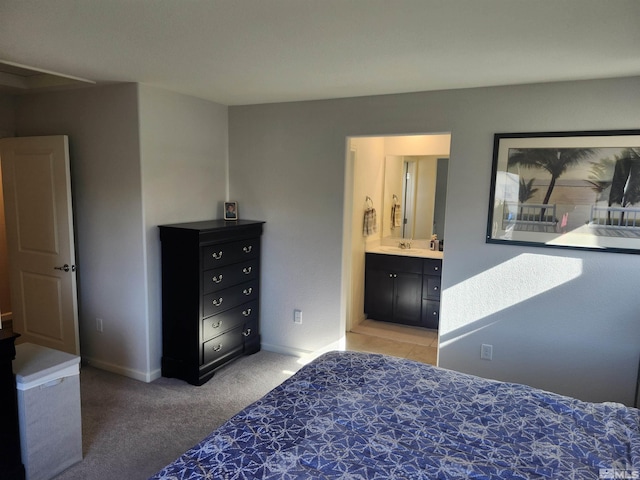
pixel 409 252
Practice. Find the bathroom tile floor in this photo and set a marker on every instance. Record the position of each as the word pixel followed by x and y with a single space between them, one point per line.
pixel 392 339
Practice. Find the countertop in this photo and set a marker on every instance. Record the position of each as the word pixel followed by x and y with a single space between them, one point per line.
pixel 405 252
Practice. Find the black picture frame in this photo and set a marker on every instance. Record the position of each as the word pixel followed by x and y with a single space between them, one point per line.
pixel 576 190
pixel 231 211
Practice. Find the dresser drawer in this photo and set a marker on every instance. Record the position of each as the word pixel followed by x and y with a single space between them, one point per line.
pixel 234 318
pixel 250 332
pixel 222 345
pixel 431 287
pixel 432 266
pixel 223 300
pixel 227 253
pixel 223 277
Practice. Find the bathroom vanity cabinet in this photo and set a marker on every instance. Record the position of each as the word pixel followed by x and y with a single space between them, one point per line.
pixel 402 289
pixel 210 296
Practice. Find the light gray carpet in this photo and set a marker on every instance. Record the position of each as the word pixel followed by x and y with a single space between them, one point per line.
pixel 132 429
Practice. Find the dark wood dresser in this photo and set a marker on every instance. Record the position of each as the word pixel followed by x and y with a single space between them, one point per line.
pixel 210 296
pixel 11 466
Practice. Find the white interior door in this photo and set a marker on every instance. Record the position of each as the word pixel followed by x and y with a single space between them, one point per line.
pixel 39 219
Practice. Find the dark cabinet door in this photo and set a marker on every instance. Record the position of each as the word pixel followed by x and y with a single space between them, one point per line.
pixel 379 294
pixel 408 298
pixel 430 313
pixel 393 296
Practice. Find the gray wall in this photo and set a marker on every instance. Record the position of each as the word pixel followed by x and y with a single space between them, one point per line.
pixel 102 125
pixel 140 157
pixel 562 320
pixel 184 177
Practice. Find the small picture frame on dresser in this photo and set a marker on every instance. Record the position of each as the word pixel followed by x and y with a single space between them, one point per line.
pixel 231 211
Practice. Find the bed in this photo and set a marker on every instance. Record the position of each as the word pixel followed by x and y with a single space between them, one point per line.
pixel 354 415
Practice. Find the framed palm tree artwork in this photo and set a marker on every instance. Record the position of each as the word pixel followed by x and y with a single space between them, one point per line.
pixel 566 190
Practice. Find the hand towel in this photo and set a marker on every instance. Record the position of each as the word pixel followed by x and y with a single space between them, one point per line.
pixel 396 215
pixel 369 224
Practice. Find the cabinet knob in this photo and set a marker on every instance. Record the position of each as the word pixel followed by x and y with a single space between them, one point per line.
pixel 436 268
pixel 247 291
pixel 217 255
pixel 247 249
pixel 217 279
pixel 246 270
pixel 218 324
pixel 246 312
pixel 435 289
pixel 217 302
pixel 247 332
pixel 434 313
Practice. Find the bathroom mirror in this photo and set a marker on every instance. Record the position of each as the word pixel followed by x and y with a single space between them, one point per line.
pixel 415 188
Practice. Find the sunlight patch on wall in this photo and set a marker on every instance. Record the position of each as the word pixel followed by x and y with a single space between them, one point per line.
pixel 501 287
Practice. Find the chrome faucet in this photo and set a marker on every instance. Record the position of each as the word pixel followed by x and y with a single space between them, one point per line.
pixel 404 245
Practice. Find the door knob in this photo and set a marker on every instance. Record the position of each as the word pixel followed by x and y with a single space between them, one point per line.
pixel 66 268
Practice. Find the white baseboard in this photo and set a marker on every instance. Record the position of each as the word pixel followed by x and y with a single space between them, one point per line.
pixel 304 355
pixel 146 377
pixel 294 352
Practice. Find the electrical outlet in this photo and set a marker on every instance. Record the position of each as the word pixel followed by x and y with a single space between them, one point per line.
pixel 486 352
pixel 99 324
pixel 297 317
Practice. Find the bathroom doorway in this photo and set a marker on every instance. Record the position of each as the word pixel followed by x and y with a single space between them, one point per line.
pixel 367 163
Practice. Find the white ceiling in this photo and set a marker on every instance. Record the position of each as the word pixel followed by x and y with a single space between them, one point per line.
pixel 239 52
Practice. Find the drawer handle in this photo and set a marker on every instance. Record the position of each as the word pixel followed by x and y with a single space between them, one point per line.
pixel 247 332
pixel 246 270
pixel 247 249
pixel 247 291
pixel 217 279
pixel 217 303
pixel 246 312
pixel 217 256
pixel 217 348
pixel 218 324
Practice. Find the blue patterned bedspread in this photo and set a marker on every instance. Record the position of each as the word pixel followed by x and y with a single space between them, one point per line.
pixel 353 415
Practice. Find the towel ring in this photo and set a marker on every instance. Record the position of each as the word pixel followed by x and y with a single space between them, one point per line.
pixel 369 201
pixel 395 198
